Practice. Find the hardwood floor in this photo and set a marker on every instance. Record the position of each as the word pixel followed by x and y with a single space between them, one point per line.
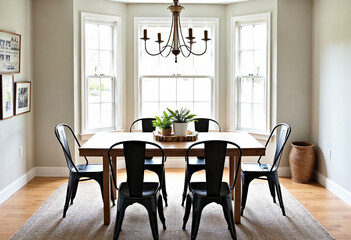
pixel 330 211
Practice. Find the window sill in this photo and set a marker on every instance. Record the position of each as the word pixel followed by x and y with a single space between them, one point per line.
pixel 257 136
pixel 87 136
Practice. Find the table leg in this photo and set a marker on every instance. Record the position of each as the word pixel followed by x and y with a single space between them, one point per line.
pixel 231 173
pixel 114 165
pixel 106 189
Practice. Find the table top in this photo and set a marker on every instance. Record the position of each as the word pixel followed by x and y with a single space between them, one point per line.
pixel 99 144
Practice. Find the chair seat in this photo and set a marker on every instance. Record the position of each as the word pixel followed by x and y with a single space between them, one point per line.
pixel 256 167
pixel 197 161
pixel 200 188
pixel 153 161
pixel 88 168
pixel 149 188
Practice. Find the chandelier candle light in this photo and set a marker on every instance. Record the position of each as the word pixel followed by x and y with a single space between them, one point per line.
pixel 177 44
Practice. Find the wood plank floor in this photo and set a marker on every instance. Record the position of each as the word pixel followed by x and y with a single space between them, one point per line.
pixel 330 211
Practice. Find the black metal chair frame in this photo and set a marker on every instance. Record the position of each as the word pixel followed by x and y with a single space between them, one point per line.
pixel 132 191
pixel 266 172
pixel 201 125
pixel 80 172
pixel 214 190
pixel 150 163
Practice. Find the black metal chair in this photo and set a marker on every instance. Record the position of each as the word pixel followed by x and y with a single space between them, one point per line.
pixel 197 164
pixel 263 171
pixel 82 172
pixel 135 190
pixel 152 164
pixel 213 190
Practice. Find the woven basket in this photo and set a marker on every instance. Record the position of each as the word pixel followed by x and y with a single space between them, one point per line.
pixel 302 161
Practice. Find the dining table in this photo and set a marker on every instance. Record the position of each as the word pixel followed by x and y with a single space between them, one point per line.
pixel 99 144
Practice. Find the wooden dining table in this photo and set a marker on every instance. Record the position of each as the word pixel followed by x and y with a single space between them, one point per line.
pixel 99 144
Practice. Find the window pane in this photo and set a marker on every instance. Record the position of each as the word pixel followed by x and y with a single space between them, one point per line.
pixel 202 91
pixel 245 90
pixel 246 37
pixel 187 105
pixel 93 116
pixel 105 37
pixel 167 89
pixel 258 91
pixel 185 89
pixel 149 109
pixel 260 36
pixel 150 89
pixel 259 63
pixel 203 109
pixel 93 90
pixel 245 115
pixel 247 64
pixel 106 90
pixel 106 115
pixel 91 36
pixel 165 105
pixel 91 62
pixel 105 62
pixel 259 119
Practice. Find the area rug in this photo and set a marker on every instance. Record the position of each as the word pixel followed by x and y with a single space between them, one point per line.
pixel 262 218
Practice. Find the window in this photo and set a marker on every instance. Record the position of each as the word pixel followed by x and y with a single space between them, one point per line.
pixel 189 83
pixel 100 73
pixel 250 73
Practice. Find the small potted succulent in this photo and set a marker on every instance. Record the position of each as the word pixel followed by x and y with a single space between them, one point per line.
pixel 180 119
pixel 164 123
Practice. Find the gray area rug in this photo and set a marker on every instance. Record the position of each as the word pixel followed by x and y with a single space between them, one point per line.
pixel 262 218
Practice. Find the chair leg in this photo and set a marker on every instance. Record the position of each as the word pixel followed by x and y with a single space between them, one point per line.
pixel 187 211
pixel 226 217
pixel 164 192
pixel 197 210
pixel 74 186
pixel 185 187
pixel 160 211
pixel 245 188
pixel 279 193
pixel 271 188
pixel 68 196
pixel 119 219
pixel 228 210
pixel 112 194
pixel 152 211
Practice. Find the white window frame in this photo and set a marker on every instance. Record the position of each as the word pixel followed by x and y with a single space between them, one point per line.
pixel 117 70
pixel 235 69
pixel 137 79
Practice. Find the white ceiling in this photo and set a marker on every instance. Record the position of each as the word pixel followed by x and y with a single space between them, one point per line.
pixel 182 1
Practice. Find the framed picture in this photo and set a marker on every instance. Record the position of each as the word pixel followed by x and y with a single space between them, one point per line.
pixel 6 96
pixel 10 52
pixel 22 97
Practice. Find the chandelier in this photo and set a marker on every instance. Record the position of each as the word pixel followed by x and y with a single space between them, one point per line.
pixel 176 43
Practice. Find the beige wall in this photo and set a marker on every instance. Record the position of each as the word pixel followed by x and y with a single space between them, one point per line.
pixel 53 74
pixel 294 74
pixel 331 112
pixel 15 16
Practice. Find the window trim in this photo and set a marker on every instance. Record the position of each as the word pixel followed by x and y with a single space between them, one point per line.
pixel 116 21
pixel 137 78
pixel 234 68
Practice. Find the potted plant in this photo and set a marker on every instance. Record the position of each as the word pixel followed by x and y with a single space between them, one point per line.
pixel 181 119
pixel 164 123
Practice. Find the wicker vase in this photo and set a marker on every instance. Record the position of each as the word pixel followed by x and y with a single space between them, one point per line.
pixel 166 131
pixel 302 161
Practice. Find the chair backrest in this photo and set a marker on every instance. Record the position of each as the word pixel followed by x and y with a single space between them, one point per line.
pixel 146 124
pixel 60 133
pixel 215 152
pixel 282 131
pixel 202 124
pixel 134 155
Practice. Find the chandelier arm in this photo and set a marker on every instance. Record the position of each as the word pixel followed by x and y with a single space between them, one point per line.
pixel 184 43
pixel 196 54
pixel 152 54
pixel 164 48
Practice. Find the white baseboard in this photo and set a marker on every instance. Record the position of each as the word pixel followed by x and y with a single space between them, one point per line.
pixel 335 188
pixel 8 191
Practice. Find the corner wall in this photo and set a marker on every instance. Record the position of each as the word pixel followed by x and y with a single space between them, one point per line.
pixel 16 16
